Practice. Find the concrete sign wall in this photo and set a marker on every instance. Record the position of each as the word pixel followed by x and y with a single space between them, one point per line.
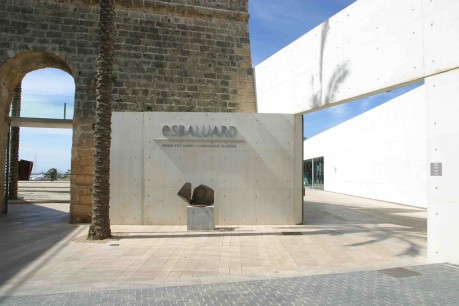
pixel 252 161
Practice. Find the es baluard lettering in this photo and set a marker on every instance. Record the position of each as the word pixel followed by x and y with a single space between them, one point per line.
pixel 199 131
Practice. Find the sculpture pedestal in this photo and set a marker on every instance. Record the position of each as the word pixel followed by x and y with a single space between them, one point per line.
pixel 200 218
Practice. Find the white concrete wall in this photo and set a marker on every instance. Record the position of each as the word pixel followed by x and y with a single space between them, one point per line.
pixel 443 147
pixel 380 154
pixel 256 182
pixel 369 47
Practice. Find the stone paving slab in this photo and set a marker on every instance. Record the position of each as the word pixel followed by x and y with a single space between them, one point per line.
pixel 32 192
pixel 42 253
pixel 434 284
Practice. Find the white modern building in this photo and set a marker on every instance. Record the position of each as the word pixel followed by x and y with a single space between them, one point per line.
pixel 380 154
pixel 405 151
pixel 371 47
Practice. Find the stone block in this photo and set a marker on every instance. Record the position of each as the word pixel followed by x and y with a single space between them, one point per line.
pixel 80 213
pixel 200 218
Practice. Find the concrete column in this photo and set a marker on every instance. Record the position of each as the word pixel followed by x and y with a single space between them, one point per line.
pixel 442 92
pixel 298 173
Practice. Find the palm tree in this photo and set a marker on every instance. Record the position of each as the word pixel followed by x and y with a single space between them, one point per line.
pixel 100 224
pixel 14 149
pixel 53 174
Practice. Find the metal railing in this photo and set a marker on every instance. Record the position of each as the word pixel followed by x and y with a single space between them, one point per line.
pixel 7 173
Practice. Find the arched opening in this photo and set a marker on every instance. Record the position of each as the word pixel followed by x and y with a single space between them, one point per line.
pixel 11 73
pixel 45 94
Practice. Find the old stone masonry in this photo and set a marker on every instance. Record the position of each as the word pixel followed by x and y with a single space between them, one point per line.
pixel 170 55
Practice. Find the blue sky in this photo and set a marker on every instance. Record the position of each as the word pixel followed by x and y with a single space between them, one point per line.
pixel 44 93
pixel 273 25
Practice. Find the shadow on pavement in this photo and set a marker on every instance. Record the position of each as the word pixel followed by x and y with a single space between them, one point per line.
pixel 389 221
pixel 27 233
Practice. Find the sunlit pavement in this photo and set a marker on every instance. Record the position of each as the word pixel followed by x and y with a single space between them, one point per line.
pixel 43 254
pixel 35 192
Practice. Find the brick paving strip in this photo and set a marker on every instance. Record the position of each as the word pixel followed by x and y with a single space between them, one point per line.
pixel 434 284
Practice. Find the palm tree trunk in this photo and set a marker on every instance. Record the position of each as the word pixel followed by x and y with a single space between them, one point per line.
pixel 100 225
pixel 14 149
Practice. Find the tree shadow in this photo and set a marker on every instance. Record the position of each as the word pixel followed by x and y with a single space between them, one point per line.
pixel 379 223
pixel 320 98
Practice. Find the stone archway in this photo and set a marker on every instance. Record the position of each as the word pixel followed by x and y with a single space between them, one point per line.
pixel 12 72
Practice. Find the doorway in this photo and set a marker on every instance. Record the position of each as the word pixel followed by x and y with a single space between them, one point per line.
pixel 41 120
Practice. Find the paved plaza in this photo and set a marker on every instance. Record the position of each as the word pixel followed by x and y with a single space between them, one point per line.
pixel 340 255
pixel 430 285
pixel 37 192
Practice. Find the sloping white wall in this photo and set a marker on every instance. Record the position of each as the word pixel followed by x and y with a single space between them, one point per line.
pixel 369 47
pixel 380 154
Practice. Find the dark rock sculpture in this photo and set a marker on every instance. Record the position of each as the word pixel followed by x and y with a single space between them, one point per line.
pixel 202 195
pixel 185 192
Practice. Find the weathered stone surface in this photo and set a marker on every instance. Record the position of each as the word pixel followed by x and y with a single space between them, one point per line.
pixel 80 213
pixel 175 55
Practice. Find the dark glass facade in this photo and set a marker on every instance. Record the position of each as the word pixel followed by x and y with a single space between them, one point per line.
pixel 313 173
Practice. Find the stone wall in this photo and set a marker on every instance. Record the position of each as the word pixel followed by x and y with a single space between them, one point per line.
pixel 174 55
